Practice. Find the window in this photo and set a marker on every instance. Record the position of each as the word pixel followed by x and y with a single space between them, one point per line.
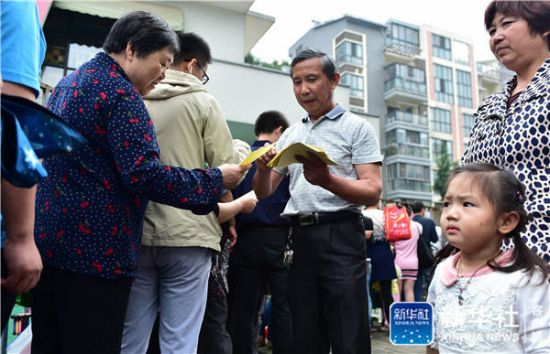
pixel 443 84
pixel 464 88
pixel 404 77
pixel 441 47
pixel 355 82
pixel 408 176
pixel 395 136
pixel 57 64
pixel 416 138
pixel 80 54
pixel 467 123
pixel 51 75
pixel 405 34
pixel 407 143
pixel 461 53
pixel 407 72
pixel 437 148
pixel 441 120
pixel 402 136
pixel 412 73
pixel 349 52
pixel 410 171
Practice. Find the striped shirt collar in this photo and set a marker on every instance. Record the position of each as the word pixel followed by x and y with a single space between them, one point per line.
pixel 334 113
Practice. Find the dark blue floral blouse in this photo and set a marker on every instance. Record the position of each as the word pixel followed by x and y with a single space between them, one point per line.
pixel 89 210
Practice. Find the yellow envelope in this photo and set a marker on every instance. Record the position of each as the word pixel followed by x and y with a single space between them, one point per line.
pixel 286 156
pixel 254 155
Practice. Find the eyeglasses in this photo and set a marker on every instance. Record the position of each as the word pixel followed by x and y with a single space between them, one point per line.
pixel 205 78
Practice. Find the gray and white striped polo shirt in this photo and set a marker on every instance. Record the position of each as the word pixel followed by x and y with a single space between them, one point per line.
pixel 348 139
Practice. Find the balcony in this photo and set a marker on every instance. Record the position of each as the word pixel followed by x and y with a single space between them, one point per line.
pixel 410 150
pixel 401 87
pixel 407 184
pixel 401 48
pixel 349 60
pixel 406 117
pixel 405 83
pixel 489 71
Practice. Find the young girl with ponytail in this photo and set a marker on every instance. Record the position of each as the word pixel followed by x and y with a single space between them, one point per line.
pixel 486 299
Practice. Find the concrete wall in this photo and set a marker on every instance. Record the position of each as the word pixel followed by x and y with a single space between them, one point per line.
pixel 223 30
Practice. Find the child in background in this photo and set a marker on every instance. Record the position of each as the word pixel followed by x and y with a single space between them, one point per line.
pixel 244 204
pixel 407 260
pixel 487 300
pixel 380 253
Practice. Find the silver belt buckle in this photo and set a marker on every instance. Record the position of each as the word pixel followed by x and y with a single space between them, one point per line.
pixel 309 219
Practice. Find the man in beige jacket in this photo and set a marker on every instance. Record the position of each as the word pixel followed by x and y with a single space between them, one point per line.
pixel 177 245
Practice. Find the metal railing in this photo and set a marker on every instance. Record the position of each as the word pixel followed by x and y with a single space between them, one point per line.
pixel 419 151
pixel 397 46
pixel 400 116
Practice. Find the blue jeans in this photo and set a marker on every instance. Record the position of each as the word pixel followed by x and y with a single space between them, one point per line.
pixel 170 281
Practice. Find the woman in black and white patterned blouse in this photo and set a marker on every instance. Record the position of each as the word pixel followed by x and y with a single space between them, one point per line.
pixel 512 128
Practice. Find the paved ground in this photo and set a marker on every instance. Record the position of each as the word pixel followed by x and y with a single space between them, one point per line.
pixel 379 345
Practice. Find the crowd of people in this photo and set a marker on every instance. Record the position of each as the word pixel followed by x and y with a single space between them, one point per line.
pixel 401 270
pixel 155 236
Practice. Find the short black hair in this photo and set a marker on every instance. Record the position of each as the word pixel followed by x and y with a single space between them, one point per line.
pixel 192 46
pixel 268 121
pixel 329 67
pixel 147 32
pixel 417 207
pixel 535 13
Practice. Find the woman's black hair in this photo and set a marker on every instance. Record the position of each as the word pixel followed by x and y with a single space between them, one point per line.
pixel 506 193
pixel 146 32
pixel 536 13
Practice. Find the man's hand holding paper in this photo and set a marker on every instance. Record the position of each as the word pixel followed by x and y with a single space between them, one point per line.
pixel 254 155
pixel 289 155
pixel 315 169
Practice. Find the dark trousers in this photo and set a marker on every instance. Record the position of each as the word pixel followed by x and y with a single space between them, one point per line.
pixel 386 297
pixel 214 337
pixel 421 284
pixel 76 313
pixel 257 261
pixel 328 301
pixel 8 299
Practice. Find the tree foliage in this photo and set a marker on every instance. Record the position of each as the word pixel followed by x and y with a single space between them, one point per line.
pixel 275 64
pixel 444 167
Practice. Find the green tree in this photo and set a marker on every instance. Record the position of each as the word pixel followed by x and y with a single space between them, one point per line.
pixel 251 59
pixel 444 167
pixel 275 64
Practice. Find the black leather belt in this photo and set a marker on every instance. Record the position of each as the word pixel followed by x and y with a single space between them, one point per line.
pixel 321 218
